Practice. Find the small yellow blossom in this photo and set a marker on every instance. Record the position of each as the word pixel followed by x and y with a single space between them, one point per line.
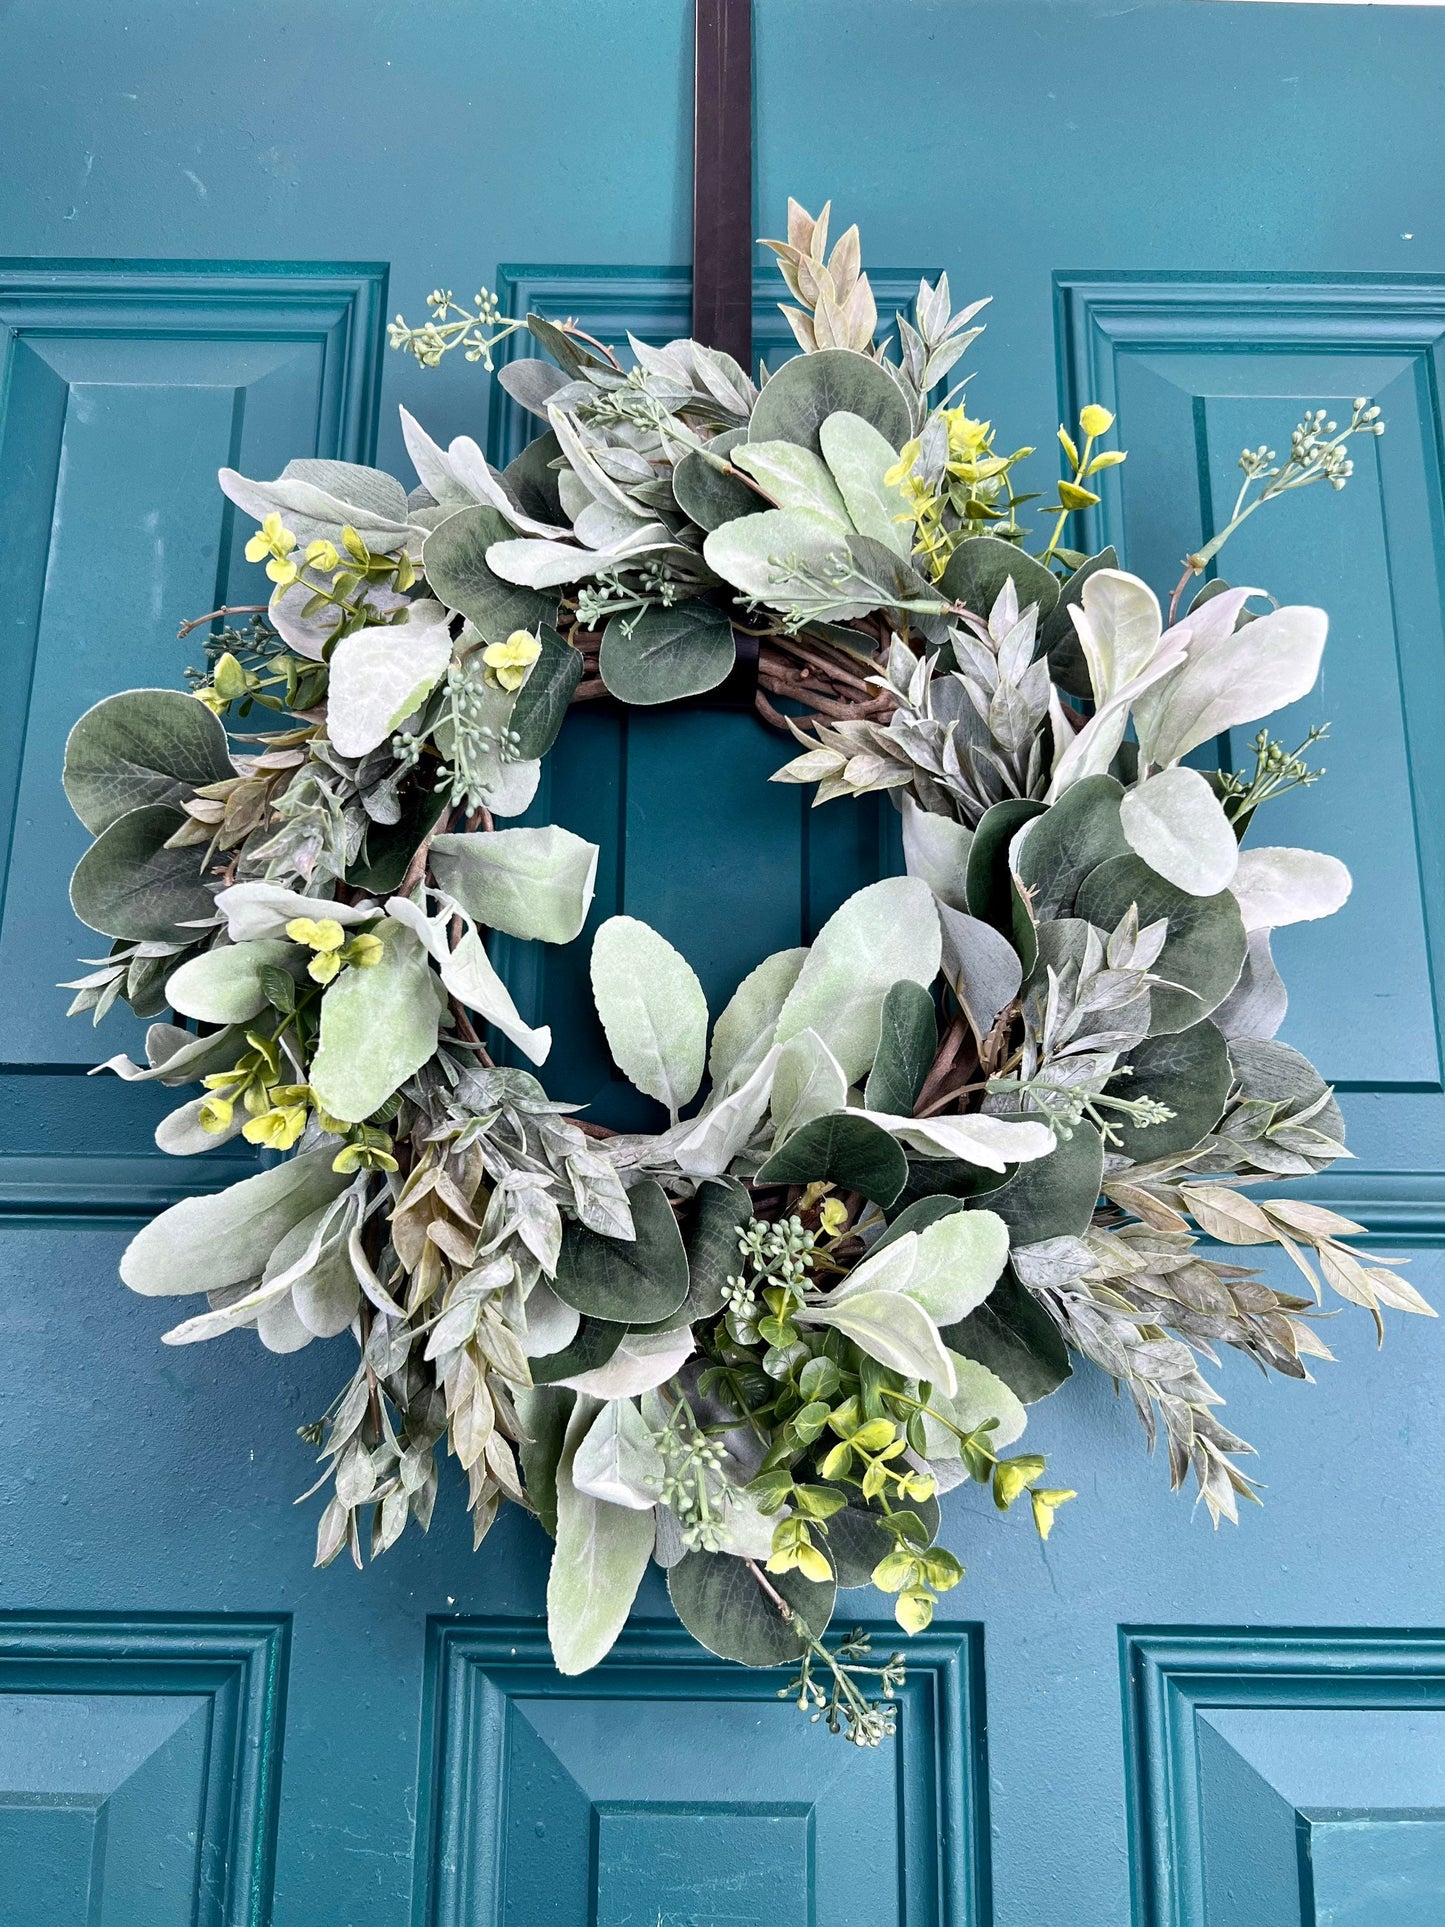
pixel 322 555
pixel 277 1129
pixel 364 951
pixel 324 966
pixel 215 1114
pixel 323 933
pixel 507 662
pixel 1095 420
pixel 833 1217
pixel 1045 1503
pixel 274 538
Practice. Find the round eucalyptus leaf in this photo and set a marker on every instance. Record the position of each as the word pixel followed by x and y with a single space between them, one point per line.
pixel 711 495
pixel 722 1209
pixel 596 1342
pixel 628 1281
pixel 725 1609
pixel 843 1148
pixel 142 746
pixel 666 654
pixel 856 1541
pixel 1054 1197
pixel 800 397
pixel 1189 1071
pixel 1080 831
pixel 128 884
pixel 1012 1334
pixel 454 561
pixel 1204 951
pixel 981 564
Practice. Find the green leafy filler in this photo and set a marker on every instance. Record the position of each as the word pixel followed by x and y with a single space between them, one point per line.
pixel 1000 1113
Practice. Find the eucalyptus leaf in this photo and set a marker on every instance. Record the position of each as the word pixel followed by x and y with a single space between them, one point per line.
pixel 664 655
pixel 531 883
pixel 1060 848
pixel 1187 1070
pixel 141 746
pixel 531 479
pixel 626 1281
pixel 542 702
pixel 652 1008
pixel 544 1411
pixel 981 564
pixel 1015 1338
pixel 595 1342
pixel 988 884
pixel 722 1605
pixel 128 884
pixel 1257 1005
pixel 845 1149
pixel 1055 1196
pixel 710 492
pixel 1203 953
pixel 804 392
pixel 454 561
pixel 983 968
pixel 858 1541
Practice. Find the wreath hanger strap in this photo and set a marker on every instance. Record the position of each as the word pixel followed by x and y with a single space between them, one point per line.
pixel 722 182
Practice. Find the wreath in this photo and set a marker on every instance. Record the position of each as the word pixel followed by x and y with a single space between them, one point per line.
pixel 977 1128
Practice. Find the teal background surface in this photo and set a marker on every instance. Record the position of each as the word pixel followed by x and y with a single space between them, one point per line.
pixel 1207 216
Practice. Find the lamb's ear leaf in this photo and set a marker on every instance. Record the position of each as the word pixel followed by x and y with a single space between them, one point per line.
pixel 636 1281
pixel 128 884
pixel 533 883
pixel 1015 1338
pixel 846 1150
pixel 1058 636
pixel 597 1563
pixel 227 985
pixel 907 1044
pixel 141 746
pixel 725 1609
pixel 652 1008
pixel 378 1027
pixel 743 1035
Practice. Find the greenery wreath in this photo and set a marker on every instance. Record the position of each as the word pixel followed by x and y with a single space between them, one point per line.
pixel 978 1125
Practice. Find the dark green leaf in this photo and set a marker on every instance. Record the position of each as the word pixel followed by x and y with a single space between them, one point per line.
pixel 596 1340
pixel 1081 831
pixel 548 1408
pixel 710 495
pixel 917 1217
pixel 948 1177
pixel 1188 1070
pixel 981 564
pixel 907 1044
pixel 636 1281
pixel 141 746
pixel 1054 1197
pixel 389 847
pixel 279 987
pixel 725 1609
pixel 803 393
pixel 663 655
pixel 533 480
pixel 454 561
pixel 1205 948
pixel 845 1149
pixel 129 885
pixel 857 1541
pixel 541 706
pixel 1015 1338
pixel 988 886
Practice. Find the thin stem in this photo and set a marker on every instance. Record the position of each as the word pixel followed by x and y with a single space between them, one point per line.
pixel 238 609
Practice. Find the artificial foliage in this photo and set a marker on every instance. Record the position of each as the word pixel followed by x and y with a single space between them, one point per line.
pixel 993 1124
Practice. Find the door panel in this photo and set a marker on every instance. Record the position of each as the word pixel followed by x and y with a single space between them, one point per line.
pixel 1205 216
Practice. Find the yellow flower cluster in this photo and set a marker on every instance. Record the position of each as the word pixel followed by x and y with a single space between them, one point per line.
pixel 507 663
pixel 325 936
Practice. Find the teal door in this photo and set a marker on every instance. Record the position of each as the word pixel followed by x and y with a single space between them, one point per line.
pixel 1203 215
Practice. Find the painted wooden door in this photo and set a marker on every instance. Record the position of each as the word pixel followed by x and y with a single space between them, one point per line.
pixel 1205 215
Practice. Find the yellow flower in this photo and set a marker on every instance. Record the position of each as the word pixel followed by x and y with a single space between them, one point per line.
pixel 508 662
pixel 833 1217
pixel 967 439
pixel 363 951
pixel 216 1115
pixel 229 678
pixel 324 966
pixel 274 539
pixel 277 1129
pixel 1045 1504
pixel 322 556
pixel 1095 420
pixel 324 933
